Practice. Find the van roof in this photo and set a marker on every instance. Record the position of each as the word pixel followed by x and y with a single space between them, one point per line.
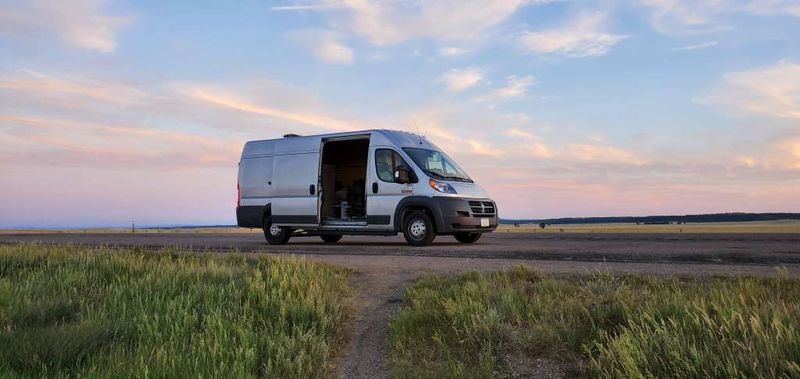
pixel 392 137
pixel 387 132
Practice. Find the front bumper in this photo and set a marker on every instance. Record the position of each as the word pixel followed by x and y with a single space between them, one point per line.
pixel 456 216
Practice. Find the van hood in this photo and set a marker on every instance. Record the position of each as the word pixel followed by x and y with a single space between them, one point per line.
pixel 464 189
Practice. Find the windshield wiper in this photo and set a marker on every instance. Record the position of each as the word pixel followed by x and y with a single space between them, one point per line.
pixel 434 173
pixel 458 179
pixel 447 177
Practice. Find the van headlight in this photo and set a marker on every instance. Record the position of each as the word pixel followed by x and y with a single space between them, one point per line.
pixel 441 186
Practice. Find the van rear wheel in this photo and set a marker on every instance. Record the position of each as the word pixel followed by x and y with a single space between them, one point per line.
pixel 276 235
pixel 331 238
pixel 467 237
pixel 418 229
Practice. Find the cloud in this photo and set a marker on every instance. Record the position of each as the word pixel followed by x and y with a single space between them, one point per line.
pixel 515 86
pixel 451 51
pixel 791 149
pixel 519 133
pixel 325 45
pixel 773 91
pixel 227 99
pixel 79 23
pixel 703 45
pixel 331 51
pixel 392 22
pixel 303 7
pixel 584 36
pixel 783 154
pixel 70 89
pixel 461 79
pixel 691 16
pixel 65 142
pixel 54 120
pixel 601 153
pixel 772 7
pixel 671 16
pixel 533 146
pixel 540 150
pixel 747 161
pixel 484 148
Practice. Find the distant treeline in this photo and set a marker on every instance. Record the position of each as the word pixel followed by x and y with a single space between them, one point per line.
pixel 715 217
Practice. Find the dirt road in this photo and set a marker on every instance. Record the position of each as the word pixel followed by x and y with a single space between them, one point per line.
pixel 767 249
pixel 386 266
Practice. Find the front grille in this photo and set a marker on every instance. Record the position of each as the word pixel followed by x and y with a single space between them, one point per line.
pixel 482 208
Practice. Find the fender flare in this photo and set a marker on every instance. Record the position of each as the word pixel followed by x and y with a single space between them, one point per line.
pixel 266 212
pixel 424 202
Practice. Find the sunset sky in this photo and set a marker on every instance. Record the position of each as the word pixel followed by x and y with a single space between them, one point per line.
pixel 112 111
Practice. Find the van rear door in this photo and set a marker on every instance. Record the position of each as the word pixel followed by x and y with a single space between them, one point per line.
pixel 295 181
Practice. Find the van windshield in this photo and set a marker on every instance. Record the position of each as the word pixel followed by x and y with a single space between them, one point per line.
pixel 437 164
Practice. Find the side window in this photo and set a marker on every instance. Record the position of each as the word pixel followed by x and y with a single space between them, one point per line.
pixel 387 161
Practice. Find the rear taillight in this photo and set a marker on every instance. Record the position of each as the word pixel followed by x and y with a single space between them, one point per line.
pixel 238 196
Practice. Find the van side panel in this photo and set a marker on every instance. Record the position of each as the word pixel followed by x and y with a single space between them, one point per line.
pixel 255 174
pixel 293 202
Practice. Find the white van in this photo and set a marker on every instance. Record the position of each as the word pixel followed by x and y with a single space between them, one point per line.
pixel 371 182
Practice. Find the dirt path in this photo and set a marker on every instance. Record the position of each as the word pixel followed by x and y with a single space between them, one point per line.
pixel 377 299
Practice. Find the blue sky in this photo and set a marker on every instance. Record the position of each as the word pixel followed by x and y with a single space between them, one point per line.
pixel 118 110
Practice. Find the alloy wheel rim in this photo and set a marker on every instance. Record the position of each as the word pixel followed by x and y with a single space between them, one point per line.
pixel 418 228
pixel 274 230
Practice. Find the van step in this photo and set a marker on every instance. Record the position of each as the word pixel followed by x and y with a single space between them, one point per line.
pixel 340 223
pixel 348 232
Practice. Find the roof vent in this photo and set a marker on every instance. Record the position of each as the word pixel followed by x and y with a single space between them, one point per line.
pixel 290 135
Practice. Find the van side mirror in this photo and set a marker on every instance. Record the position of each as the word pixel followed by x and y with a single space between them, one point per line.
pixel 402 176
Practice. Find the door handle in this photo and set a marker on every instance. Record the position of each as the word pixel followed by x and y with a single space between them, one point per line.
pixel 312 189
pixel 375 187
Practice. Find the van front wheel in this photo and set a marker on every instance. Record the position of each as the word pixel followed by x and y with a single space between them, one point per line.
pixel 467 237
pixel 276 235
pixel 418 229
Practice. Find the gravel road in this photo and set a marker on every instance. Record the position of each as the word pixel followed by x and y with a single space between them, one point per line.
pixel 385 266
pixel 764 249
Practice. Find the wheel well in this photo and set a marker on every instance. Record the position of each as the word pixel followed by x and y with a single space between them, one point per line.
pixel 267 214
pixel 412 208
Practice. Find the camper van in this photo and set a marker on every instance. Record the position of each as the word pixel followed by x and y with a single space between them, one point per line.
pixel 371 182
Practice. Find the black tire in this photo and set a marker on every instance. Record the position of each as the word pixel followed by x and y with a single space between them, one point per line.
pixel 418 229
pixel 281 237
pixel 467 237
pixel 331 238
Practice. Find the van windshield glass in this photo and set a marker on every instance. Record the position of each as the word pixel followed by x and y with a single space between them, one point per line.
pixel 437 164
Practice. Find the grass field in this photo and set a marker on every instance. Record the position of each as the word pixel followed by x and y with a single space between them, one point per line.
pixel 479 325
pixel 95 312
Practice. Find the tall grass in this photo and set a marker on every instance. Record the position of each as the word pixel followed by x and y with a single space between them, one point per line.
pixel 608 326
pixel 69 311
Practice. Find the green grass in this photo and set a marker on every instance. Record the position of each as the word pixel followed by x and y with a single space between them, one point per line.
pixel 68 311
pixel 610 326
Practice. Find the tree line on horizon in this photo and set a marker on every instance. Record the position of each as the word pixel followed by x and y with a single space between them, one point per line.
pixel 699 218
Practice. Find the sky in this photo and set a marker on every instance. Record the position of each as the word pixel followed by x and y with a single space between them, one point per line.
pixel 113 111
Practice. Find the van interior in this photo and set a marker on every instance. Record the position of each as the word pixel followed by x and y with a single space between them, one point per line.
pixel 343 178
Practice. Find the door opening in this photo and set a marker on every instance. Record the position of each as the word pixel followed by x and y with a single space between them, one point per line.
pixel 343 177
